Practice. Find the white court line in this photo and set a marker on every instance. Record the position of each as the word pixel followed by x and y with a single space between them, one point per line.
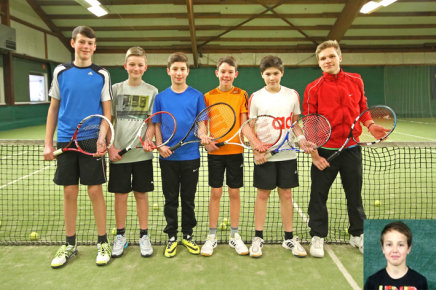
pixel 335 259
pixel 25 176
pixel 414 136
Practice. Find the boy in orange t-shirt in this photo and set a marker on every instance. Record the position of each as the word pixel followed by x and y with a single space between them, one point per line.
pixel 227 158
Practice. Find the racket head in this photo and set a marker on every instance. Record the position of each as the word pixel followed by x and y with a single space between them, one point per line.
pixel 314 127
pixel 93 129
pixel 216 121
pixel 381 115
pixel 265 129
pixel 165 127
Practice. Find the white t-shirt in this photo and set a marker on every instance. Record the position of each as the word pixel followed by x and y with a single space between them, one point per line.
pixel 283 105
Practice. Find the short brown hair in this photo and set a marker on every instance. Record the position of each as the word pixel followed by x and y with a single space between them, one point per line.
pixel 271 61
pixel 177 57
pixel 399 227
pixel 230 60
pixel 84 30
pixel 327 44
pixel 135 51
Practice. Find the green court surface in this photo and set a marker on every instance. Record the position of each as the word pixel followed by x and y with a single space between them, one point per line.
pixel 29 267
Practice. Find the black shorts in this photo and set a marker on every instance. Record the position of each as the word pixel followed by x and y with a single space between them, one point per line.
pixel 232 164
pixel 134 176
pixel 74 166
pixel 283 174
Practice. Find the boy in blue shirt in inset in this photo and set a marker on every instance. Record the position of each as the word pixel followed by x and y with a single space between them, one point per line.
pixel 180 169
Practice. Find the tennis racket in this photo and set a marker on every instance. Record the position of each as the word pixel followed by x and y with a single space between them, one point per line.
pixel 215 121
pixel 167 125
pixel 261 131
pixel 314 128
pixel 93 135
pixel 385 121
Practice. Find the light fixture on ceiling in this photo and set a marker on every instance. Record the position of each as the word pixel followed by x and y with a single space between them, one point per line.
pixel 371 6
pixel 94 6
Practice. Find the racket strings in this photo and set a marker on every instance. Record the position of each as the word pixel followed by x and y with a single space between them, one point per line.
pixel 268 130
pixel 90 132
pixel 215 122
pixel 316 129
pixel 381 116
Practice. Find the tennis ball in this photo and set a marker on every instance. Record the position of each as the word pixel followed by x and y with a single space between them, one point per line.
pixel 114 231
pixel 155 206
pixel 34 236
pixel 226 221
pixel 223 227
pixel 377 202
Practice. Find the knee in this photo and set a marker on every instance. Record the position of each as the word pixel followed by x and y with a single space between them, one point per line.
pixel 263 194
pixel 215 194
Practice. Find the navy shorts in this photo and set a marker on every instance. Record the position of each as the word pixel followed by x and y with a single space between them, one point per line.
pixel 73 166
pixel 133 176
pixel 283 174
pixel 232 164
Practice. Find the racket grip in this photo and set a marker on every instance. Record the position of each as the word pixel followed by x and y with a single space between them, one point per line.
pixel 58 152
pixel 122 152
pixel 173 148
pixel 333 156
pixel 269 155
pixel 220 144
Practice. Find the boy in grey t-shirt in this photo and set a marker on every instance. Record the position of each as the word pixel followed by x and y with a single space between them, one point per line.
pixel 132 102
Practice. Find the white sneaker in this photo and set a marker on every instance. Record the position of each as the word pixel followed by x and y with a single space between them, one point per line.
pixel 103 254
pixel 295 246
pixel 256 247
pixel 237 244
pixel 209 245
pixel 145 246
pixel 317 247
pixel 120 243
pixel 357 241
pixel 62 256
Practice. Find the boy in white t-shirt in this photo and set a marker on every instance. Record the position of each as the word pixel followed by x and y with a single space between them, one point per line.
pixel 280 170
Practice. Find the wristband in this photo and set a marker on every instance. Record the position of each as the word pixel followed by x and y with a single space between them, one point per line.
pixel 301 137
pixel 370 125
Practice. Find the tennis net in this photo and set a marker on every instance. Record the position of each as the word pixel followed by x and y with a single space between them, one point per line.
pixel 399 182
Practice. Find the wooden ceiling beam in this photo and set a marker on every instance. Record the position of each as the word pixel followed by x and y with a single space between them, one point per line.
pixel 190 9
pixel 345 20
pixel 49 23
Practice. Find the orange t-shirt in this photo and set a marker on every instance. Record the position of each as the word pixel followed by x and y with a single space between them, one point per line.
pixel 237 99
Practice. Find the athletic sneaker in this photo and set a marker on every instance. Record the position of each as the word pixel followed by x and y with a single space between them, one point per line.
pixel 237 244
pixel 120 243
pixel 256 247
pixel 62 256
pixel 103 254
pixel 145 246
pixel 209 245
pixel 357 241
pixel 192 247
pixel 171 248
pixel 317 247
pixel 295 246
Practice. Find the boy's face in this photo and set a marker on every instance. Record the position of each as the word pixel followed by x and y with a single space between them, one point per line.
pixel 329 60
pixel 272 77
pixel 178 72
pixel 226 74
pixel 395 248
pixel 135 66
pixel 84 47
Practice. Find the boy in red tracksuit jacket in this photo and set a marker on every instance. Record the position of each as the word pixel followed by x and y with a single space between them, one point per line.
pixel 340 97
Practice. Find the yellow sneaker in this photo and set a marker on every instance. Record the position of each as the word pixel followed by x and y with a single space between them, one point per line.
pixel 171 248
pixel 192 247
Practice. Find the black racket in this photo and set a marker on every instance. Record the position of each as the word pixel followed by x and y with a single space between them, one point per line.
pixel 385 121
pixel 215 121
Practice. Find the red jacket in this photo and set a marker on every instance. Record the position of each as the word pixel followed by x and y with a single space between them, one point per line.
pixel 340 98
